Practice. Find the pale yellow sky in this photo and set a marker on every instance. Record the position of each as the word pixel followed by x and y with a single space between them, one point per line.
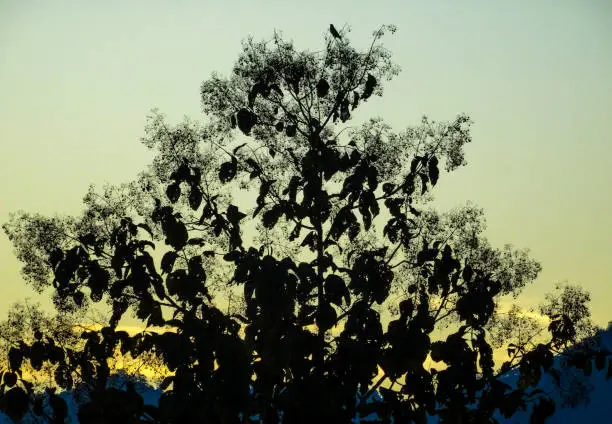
pixel 78 78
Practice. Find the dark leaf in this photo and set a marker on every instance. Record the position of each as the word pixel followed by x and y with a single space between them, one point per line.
pixel 258 209
pixel 117 261
pixel 37 355
pixel 234 215
pixel 227 171
pixel 197 241
pixel 176 282
pixel 335 289
pixel 156 318
pixel 291 190
pixel 388 188
pixel 424 180
pixel 406 307
pixel 511 349
pixel 369 87
pixel 355 100
pixel 322 88
pixel 271 216
pixel 88 239
pixel 414 211
pixel 55 257
pixel 345 114
pixel 433 170
pixel 173 191
pixel 467 273
pixel 10 379
pixel 246 120
pixel 295 233
pixel 78 298
pixel 240 146
pixel 258 88
pixel 232 256
pixel 426 255
pixel 181 174
pixel 372 176
pixel 176 234
pixel 166 382
pixel 195 197
pixel 167 262
pixel 291 130
pixel 326 316
pixel 196 270
pixel 15 403
pixel 309 240
pixel 264 189
pixel 437 351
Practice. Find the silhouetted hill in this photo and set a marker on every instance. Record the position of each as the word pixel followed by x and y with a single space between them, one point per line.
pixel 595 407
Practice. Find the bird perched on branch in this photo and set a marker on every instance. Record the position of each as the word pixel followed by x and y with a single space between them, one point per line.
pixel 334 31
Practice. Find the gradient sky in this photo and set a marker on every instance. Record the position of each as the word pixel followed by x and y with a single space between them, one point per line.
pixel 77 79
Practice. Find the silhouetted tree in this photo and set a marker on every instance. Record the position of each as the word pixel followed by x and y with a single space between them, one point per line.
pixel 314 224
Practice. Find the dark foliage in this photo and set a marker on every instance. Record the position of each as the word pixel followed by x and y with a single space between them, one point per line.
pixel 310 344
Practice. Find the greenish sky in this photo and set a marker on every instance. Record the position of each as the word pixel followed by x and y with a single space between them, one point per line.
pixel 77 79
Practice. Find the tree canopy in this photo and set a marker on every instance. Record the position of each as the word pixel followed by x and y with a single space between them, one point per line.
pixel 286 265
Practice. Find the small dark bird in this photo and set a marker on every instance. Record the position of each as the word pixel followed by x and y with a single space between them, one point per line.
pixel 334 31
